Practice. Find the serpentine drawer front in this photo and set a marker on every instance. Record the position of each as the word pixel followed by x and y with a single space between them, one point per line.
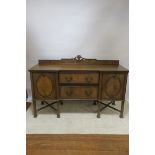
pixel 78 78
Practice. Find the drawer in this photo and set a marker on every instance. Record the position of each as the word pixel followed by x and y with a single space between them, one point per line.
pixel 78 92
pixel 87 78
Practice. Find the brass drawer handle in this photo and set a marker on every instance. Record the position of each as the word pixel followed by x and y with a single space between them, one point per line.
pixel 68 79
pixel 88 92
pixel 88 79
pixel 69 92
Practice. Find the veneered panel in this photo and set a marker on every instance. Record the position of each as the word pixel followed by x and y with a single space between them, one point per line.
pixel 44 85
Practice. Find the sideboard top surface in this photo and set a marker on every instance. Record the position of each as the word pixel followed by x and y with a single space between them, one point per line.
pixel 78 64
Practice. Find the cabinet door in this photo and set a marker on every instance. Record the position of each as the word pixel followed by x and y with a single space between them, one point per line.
pixel 113 86
pixel 44 85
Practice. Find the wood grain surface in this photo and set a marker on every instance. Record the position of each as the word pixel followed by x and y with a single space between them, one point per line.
pixel 112 86
pixel 87 78
pixel 78 92
pixel 78 63
pixel 44 85
pixel 78 78
pixel 44 144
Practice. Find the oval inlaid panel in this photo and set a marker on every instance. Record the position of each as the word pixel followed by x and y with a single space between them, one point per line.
pixel 44 86
pixel 113 86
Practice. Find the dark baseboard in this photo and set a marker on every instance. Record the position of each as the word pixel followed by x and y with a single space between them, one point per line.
pixel 28 105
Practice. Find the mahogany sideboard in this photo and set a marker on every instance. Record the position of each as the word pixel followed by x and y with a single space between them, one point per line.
pixel 78 79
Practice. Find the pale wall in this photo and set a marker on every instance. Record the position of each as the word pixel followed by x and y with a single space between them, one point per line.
pixel 64 28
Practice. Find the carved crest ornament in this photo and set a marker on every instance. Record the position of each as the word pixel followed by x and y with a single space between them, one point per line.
pixel 79 58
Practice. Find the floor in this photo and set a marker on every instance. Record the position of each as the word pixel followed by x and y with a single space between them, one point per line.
pixel 77 144
pixel 78 117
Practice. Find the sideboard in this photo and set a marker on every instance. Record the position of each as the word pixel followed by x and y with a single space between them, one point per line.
pixel 53 81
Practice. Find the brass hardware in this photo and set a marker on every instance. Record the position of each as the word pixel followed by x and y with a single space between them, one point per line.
pixel 88 79
pixel 68 79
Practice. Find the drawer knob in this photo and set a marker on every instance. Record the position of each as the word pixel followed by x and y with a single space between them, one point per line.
pixel 68 79
pixel 89 79
pixel 88 92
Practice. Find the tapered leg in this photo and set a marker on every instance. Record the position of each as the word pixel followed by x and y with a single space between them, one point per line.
pixel 58 109
pixel 34 108
pixel 113 103
pixel 98 110
pixel 122 109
